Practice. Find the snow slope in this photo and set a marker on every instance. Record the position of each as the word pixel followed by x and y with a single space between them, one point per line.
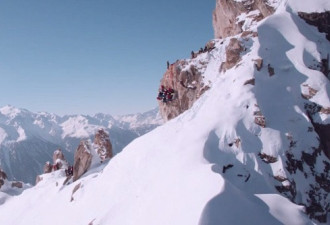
pixel 175 174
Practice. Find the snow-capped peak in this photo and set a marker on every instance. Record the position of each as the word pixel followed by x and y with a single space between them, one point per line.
pixel 10 111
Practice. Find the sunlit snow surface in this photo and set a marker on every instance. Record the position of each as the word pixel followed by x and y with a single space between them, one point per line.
pixel 174 174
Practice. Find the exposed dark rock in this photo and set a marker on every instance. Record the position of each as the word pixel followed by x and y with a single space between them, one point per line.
pixel 248 33
pixel 325 110
pixel 320 20
pixel 310 159
pixel 76 188
pixel 17 184
pixel 251 81
pixel 312 108
pixel 258 64
pixel 236 142
pixel 323 181
pixel 267 158
pixel 314 209
pixel 225 168
pixel 325 66
pixel 102 145
pixel 293 164
pixel 247 178
pixel 311 92
pixel 271 70
pixel 317 206
pixel 260 120
pixel 323 130
pixel 288 190
pixel 280 178
pixel 3 177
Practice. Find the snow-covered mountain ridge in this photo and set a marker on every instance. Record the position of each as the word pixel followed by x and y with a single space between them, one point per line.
pixel 28 140
pixel 248 151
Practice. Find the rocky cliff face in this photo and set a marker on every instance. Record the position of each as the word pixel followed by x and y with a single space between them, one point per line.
pixel 185 78
pixel 319 19
pixel 322 21
pixel 86 155
pixel 304 177
pixel 225 15
pixel 102 145
pixel 82 159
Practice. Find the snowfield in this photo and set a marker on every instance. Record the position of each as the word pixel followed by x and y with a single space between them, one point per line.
pixel 176 173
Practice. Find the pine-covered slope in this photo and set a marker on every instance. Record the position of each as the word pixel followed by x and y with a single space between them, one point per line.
pixel 248 151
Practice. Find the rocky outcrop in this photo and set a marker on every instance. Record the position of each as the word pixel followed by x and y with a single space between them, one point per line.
pixel 17 184
pixel 226 12
pixel 102 145
pixel 76 188
pixel 313 165
pixel 317 192
pixel 185 78
pixel 258 64
pixel 59 160
pixel 186 81
pixel 58 156
pixel 3 177
pixel 14 184
pixel 82 159
pixel 320 20
pixel 233 50
pixel 48 167
pixel 322 130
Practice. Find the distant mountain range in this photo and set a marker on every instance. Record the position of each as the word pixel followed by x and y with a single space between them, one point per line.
pixel 28 140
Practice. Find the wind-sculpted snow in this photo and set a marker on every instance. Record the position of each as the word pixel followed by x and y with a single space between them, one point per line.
pixel 244 153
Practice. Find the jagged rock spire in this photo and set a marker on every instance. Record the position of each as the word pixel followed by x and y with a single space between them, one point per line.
pixel 102 145
pixel 82 159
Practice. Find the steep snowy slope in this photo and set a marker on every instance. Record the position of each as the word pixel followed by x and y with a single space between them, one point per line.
pixel 245 152
pixel 28 140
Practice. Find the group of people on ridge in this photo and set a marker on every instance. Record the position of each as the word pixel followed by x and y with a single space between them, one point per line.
pixel 57 166
pixel 165 94
pixel 69 171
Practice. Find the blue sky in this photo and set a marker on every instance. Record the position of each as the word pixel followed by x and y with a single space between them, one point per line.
pixel 89 56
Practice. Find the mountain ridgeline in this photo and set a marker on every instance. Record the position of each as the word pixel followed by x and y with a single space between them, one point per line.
pixel 28 140
pixel 302 86
pixel 246 138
